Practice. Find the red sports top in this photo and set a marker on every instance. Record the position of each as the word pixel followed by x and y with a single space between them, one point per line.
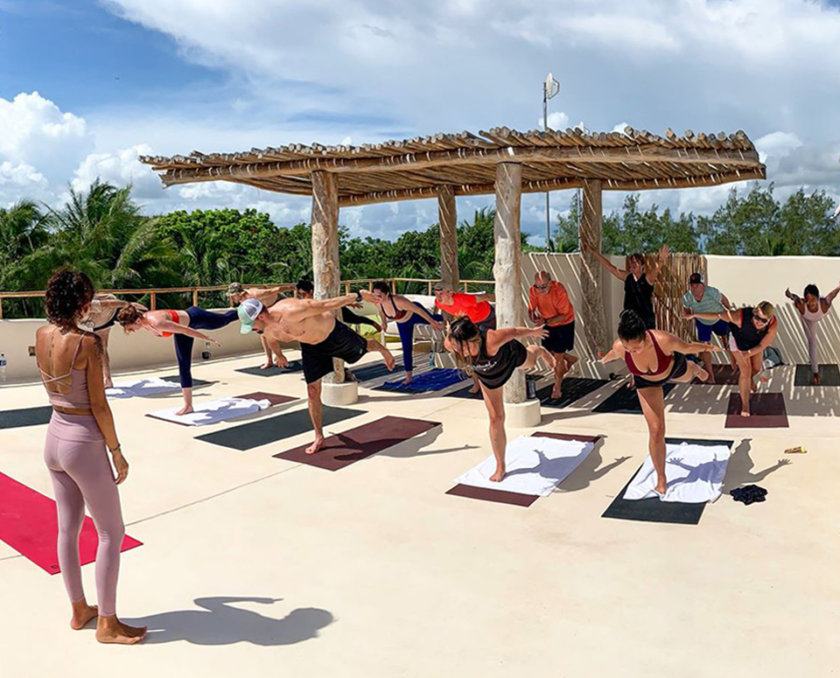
pixel 467 304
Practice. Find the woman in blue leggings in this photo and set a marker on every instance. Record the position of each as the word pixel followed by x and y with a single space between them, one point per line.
pixel 183 326
pixel 407 314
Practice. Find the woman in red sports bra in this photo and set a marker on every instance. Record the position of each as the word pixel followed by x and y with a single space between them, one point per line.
pixel 654 358
pixel 183 326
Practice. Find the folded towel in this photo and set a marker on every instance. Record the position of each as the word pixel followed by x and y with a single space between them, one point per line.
pixel 213 411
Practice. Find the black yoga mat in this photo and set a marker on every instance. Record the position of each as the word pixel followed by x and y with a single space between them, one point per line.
pixel 29 416
pixel 264 431
pixel 626 401
pixel 574 388
pixel 654 510
pixel 374 371
pixel 273 371
pixel 175 379
pixel 829 375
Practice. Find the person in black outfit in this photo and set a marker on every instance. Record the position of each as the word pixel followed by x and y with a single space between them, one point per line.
pixel 638 282
pixel 493 355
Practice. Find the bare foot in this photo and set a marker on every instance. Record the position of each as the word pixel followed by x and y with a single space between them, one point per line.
pixel 111 630
pixel 407 380
pixel 745 413
pixel 186 409
pixel 389 359
pixel 267 365
pixel 816 381
pixel 661 487
pixel 475 389
pixel 557 391
pixel 82 614
pixel 570 360
pixel 498 475
pixel 314 447
pixel 703 375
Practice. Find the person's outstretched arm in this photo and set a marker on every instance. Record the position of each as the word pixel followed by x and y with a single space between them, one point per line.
pixel 675 344
pixel 619 273
pixel 830 297
pixel 306 308
pixel 175 328
pixel 729 316
pixel 615 353
pixel 497 338
pixel 661 258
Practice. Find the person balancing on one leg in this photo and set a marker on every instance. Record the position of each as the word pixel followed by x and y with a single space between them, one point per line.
pixel 322 338
pixel 548 303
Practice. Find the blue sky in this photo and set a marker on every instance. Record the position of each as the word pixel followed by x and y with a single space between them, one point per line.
pixel 87 85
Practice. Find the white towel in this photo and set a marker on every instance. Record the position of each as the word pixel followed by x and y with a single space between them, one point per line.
pixel 141 387
pixel 694 473
pixel 214 411
pixel 534 465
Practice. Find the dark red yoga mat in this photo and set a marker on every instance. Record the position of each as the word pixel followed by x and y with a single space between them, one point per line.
pixel 514 498
pixel 358 443
pixel 28 524
pixel 767 410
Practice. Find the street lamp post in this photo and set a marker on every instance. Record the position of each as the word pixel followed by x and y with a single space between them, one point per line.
pixel 550 89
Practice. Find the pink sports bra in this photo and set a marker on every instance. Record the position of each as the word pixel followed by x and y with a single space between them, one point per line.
pixel 78 396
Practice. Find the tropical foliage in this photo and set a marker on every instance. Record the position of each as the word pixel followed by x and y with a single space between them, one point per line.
pixel 102 232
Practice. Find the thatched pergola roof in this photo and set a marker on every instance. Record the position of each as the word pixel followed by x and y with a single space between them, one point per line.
pixel 465 162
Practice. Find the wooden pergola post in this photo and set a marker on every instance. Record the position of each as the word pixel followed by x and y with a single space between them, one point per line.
pixel 507 269
pixel 447 218
pixel 326 269
pixel 591 274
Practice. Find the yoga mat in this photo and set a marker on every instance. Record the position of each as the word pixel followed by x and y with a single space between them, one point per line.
pixel 573 388
pixel 725 375
pixel 345 448
pixel 273 371
pixel 433 380
pixel 222 409
pixel 175 379
pixel 767 410
pixel 28 523
pixel 29 416
pixel 264 431
pixel 375 371
pixel 829 375
pixel 654 510
pixel 513 498
pixel 626 401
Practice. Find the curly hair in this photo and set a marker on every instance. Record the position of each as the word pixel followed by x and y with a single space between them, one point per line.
pixel 68 292
pixel 128 315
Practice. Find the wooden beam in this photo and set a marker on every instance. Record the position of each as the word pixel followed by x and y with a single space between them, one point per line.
pixel 507 268
pixel 326 270
pixel 591 274
pixel 635 154
pixel 447 219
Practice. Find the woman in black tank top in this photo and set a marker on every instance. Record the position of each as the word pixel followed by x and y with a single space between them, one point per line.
pixel 638 282
pixel 752 330
pixel 492 356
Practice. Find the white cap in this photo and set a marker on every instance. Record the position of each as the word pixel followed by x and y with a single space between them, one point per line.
pixel 249 310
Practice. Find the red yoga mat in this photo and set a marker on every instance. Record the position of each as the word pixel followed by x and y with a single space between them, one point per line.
pixel 28 523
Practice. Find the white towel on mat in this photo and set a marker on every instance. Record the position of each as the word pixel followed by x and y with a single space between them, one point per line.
pixel 694 473
pixel 141 387
pixel 534 465
pixel 213 411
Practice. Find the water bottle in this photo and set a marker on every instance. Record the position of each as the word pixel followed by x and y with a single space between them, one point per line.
pixel 2 368
pixel 767 363
pixel 431 358
pixel 205 354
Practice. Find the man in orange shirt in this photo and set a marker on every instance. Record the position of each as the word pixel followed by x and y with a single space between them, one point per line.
pixel 548 303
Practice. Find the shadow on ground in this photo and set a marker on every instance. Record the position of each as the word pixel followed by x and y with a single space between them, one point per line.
pixel 220 623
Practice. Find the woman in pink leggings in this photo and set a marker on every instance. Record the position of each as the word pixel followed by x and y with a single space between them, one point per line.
pixel 81 426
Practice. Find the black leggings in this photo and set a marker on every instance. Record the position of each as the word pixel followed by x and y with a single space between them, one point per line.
pixel 199 320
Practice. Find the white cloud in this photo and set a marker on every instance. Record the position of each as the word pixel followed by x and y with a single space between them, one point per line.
pixel 120 168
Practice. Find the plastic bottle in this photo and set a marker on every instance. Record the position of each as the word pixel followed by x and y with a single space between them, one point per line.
pixel 205 354
pixel 2 368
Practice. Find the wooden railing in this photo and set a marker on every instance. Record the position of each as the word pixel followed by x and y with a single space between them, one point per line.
pixel 153 292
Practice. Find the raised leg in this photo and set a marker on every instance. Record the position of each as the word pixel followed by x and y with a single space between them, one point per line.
pixel 373 345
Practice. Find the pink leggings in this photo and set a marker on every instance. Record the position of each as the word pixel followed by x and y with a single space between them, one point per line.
pixel 81 474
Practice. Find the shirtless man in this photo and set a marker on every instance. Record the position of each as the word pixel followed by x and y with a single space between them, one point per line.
pixel 267 296
pixel 322 338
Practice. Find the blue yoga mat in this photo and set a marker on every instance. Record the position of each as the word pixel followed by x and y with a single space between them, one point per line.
pixel 433 380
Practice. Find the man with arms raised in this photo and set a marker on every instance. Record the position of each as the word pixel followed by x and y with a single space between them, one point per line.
pixel 322 338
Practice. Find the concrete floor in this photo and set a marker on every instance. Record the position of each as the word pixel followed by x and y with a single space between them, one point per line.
pixel 256 566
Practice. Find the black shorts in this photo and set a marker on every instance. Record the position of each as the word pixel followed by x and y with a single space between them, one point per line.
pixel 560 339
pixel 108 324
pixel 678 368
pixel 489 322
pixel 342 343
